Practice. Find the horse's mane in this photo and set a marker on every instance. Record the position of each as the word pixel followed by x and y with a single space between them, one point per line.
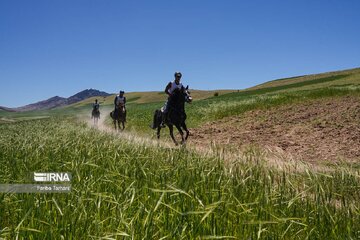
pixel 178 91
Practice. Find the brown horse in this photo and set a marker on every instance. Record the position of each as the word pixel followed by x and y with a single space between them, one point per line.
pixel 119 116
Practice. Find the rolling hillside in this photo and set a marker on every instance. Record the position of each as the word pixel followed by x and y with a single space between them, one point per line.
pixel 313 81
pixel 308 82
pixel 228 103
pixel 149 97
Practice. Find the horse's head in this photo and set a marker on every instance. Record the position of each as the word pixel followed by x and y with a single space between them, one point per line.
pixel 180 96
pixel 121 107
pixel 188 97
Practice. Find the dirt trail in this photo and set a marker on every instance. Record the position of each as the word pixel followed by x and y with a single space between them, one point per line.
pixel 312 132
pixel 128 136
pixel 316 131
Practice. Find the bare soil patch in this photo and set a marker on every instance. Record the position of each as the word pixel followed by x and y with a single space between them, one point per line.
pixel 314 131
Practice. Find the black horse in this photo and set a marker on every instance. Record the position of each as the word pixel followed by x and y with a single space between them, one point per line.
pixel 176 114
pixel 119 116
pixel 95 114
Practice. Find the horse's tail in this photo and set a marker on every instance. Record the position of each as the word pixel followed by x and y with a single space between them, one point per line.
pixel 157 119
pixel 112 114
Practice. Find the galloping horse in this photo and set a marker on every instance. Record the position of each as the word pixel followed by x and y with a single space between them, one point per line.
pixel 176 114
pixel 95 114
pixel 119 115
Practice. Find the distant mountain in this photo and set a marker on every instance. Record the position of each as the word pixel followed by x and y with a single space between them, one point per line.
pixel 42 105
pixel 57 101
pixel 85 94
pixel 7 109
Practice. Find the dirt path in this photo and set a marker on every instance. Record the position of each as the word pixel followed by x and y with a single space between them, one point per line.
pixel 126 135
pixel 316 131
pixel 313 132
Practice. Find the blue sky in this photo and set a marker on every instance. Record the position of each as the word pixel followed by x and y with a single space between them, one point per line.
pixel 61 47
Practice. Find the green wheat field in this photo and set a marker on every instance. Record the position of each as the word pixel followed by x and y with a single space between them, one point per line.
pixel 139 188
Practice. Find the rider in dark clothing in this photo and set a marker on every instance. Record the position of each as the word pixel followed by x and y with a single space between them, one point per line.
pixel 176 84
pixel 96 109
pixel 96 105
pixel 119 101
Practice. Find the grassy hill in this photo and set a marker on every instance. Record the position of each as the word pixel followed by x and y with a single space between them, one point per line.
pixel 271 94
pixel 308 82
pixel 148 97
pixel 212 107
pixel 343 78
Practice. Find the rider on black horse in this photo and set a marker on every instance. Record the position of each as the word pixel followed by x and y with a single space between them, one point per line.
pixel 120 101
pixel 173 113
pixel 176 84
pixel 96 108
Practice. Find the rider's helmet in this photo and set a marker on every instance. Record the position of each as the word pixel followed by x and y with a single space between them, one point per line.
pixel 96 100
pixel 177 74
pixel 122 92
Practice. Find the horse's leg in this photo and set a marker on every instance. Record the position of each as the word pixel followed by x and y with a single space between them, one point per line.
pixel 123 125
pixel 158 132
pixel 171 129
pixel 181 133
pixel 183 125
pixel 114 120
pixel 118 121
